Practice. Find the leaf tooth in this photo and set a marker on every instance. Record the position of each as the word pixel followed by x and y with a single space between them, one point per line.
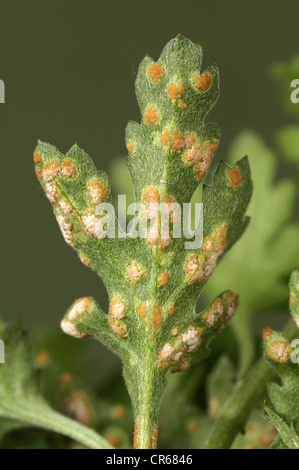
pixel 85 318
pixel 220 313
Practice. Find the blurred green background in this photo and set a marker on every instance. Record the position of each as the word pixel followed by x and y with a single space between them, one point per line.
pixel 69 68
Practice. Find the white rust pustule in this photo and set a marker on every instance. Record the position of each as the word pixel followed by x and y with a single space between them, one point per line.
pixel 80 307
pixel 94 225
pixel 98 192
pixel 65 206
pixel 51 191
pixel 66 229
pixel 71 329
pixel 51 171
pixel 192 338
pixel 135 272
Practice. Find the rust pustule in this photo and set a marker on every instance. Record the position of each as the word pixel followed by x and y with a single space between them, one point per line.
pixel 202 81
pixel 151 117
pixel 136 434
pixel 156 318
pixel 131 147
pixel 37 157
pixel 163 279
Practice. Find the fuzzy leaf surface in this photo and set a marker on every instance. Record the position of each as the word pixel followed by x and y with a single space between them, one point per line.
pixel 153 280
